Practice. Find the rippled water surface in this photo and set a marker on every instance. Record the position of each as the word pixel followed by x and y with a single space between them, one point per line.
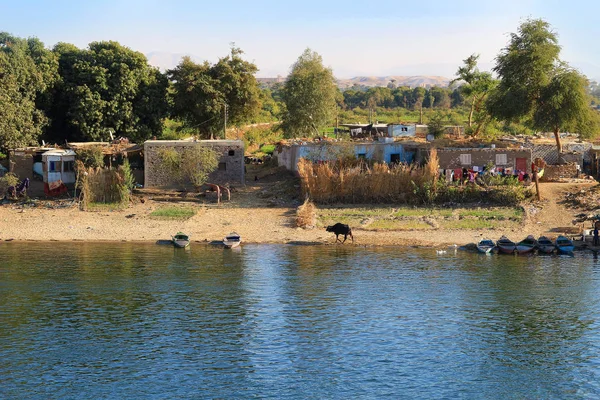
pixel 272 321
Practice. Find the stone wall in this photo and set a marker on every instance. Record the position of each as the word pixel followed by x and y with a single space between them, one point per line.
pixel 231 162
pixel 557 172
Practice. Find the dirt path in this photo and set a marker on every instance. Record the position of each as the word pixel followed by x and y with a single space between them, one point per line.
pixel 551 216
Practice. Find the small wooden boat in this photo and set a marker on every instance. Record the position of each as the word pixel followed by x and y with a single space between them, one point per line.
pixel 564 245
pixel 486 246
pixel 506 246
pixel 545 245
pixel 526 245
pixel 180 240
pixel 232 240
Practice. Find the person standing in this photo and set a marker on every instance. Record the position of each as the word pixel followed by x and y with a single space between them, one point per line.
pixel 596 238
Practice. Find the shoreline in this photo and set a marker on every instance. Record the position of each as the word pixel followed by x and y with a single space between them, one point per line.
pixel 260 224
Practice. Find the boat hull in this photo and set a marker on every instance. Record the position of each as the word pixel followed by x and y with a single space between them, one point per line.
pixel 485 249
pixel 507 248
pixel 546 249
pixel 565 249
pixel 181 243
pixel 524 249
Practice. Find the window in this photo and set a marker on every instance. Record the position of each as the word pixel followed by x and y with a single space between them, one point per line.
pixel 53 166
pixel 501 159
pixel 404 129
pixel 222 166
pixel 361 155
pixel 232 152
pixel 68 166
pixel 395 158
pixel 465 159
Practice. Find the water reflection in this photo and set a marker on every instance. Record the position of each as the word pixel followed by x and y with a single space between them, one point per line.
pixel 131 320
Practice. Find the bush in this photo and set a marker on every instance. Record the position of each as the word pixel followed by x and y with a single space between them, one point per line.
pixel 7 181
pixel 91 157
pixel 190 164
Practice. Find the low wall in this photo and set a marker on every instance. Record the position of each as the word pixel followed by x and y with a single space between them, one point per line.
pixel 557 172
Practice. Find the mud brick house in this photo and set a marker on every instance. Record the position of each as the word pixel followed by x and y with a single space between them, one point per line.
pixel 476 158
pixel 229 171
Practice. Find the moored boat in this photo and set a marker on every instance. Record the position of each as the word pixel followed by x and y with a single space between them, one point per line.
pixel 505 245
pixel 545 245
pixel 232 240
pixel 564 245
pixel 486 246
pixel 526 245
pixel 180 240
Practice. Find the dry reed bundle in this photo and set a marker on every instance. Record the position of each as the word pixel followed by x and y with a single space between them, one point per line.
pixel 360 183
pixel 99 186
pixel 306 215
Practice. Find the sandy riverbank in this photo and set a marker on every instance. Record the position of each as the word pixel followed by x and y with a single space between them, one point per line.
pixel 257 224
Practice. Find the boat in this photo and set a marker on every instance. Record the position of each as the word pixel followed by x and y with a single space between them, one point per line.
pixel 564 245
pixel 486 246
pixel 180 240
pixel 526 245
pixel 505 245
pixel 545 245
pixel 232 240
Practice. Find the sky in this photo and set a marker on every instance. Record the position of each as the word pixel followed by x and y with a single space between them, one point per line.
pixel 355 38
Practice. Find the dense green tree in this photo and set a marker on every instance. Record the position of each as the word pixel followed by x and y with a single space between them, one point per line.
pixel 564 103
pixel 476 87
pixel 106 89
pixel 536 86
pixel 202 93
pixel 27 69
pixel 309 96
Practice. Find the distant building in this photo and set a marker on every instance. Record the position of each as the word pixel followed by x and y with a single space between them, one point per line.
pixel 388 152
pixel 230 169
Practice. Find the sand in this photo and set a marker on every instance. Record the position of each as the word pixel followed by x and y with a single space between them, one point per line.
pixel 256 224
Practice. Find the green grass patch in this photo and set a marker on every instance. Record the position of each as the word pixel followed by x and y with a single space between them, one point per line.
pixel 493 213
pixel 173 213
pixel 419 212
pixel 397 225
pixel 267 149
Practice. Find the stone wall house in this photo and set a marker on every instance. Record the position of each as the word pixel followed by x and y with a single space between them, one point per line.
pixel 477 158
pixel 229 171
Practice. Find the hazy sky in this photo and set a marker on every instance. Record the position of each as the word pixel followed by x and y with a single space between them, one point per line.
pixel 427 37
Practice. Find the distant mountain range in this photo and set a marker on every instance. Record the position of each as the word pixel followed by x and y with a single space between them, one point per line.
pixel 373 81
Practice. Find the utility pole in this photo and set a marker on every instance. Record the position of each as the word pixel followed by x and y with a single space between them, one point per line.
pixel 225 124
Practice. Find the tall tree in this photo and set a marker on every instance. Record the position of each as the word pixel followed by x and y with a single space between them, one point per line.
pixel 106 89
pixel 27 70
pixel 309 96
pixel 476 87
pixel 203 92
pixel 535 85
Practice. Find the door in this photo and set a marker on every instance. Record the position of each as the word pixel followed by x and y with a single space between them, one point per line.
pixel 521 164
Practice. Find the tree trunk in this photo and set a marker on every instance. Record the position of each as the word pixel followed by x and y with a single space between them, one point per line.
pixel 471 113
pixel 421 116
pixel 558 143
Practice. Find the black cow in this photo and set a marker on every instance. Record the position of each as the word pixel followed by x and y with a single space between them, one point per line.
pixel 340 229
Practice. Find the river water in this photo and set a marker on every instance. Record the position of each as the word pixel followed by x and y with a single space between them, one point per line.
pixel 95 321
